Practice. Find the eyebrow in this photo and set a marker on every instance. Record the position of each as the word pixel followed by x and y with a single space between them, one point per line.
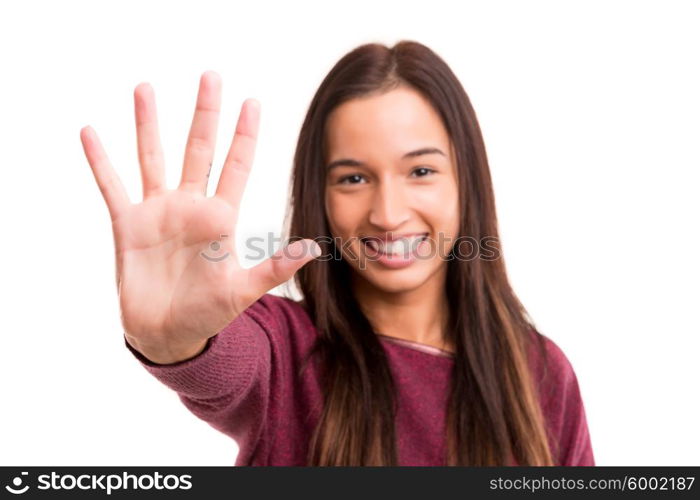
pixel 349 162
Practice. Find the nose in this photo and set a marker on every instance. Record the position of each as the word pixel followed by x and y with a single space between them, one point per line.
pixel 389 209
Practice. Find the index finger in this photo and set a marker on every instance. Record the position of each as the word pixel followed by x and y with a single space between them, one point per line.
pixel 239 160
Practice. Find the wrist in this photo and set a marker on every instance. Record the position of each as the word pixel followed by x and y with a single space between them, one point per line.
pixel 167 354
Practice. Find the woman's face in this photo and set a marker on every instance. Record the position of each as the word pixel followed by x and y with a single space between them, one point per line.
pixel 391 177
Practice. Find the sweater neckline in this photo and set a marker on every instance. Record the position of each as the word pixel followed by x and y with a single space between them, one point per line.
pixel 417 346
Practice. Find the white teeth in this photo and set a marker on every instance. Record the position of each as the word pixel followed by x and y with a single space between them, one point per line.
pixel 398 247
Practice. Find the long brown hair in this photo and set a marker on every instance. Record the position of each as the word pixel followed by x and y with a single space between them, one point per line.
pixel 494 415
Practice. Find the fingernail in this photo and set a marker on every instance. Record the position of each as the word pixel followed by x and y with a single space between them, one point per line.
pixel 315 249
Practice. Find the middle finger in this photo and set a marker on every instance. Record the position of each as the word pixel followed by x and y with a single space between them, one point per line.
pixel 199 152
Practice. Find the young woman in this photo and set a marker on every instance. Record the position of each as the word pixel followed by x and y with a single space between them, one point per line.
pixel 409 346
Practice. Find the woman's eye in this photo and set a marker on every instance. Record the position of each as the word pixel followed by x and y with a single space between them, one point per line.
pixel 350 179
pixel 423 171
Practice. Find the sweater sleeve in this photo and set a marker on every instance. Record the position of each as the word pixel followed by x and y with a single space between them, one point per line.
pixel 564 410
pixel 575 439
pixel 228 384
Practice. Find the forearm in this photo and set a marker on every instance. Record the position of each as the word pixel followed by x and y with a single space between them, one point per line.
pixel 227 364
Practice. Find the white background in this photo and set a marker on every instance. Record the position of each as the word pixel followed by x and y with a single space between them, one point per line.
pixel 590 113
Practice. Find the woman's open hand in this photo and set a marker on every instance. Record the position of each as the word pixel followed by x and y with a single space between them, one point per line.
pixel 178 276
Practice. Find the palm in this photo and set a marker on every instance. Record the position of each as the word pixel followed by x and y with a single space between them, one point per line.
pixel 162 241
pixel 178 277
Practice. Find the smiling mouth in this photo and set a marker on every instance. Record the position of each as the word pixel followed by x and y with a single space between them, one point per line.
pixel 401 246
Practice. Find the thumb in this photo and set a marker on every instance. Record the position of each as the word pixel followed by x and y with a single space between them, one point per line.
pixel 282 265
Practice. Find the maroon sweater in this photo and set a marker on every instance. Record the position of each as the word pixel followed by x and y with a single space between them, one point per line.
pixel 244 385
